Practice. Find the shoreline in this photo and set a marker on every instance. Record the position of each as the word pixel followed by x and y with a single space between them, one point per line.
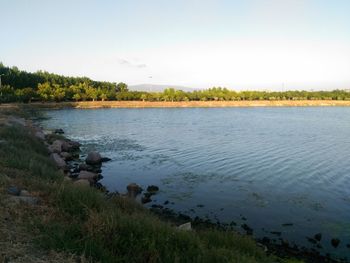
pixel 184 104
pixel 283 250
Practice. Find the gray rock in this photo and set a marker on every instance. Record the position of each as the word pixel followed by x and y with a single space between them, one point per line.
pixel 40 135
pixel 85 167
pixel 30 200
pixel 17 121
pixel 66 156
pixel 24 193
pixel 60 163
pixel 70 146
pixel 67 179
pixel 57 146
pixel 87 175
pixel 93 158
pixel 185 227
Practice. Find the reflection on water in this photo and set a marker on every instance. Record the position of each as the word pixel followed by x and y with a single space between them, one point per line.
pixel 280 169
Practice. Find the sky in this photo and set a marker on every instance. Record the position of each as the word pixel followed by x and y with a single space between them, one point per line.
pixel 239 44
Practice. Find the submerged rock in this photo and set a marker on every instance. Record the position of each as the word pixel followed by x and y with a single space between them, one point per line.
pixel 318 236
pixel 335 242
pixel 105 159
pixel 146 199
pixel 152 189
pixel 58 131
pixel 93 158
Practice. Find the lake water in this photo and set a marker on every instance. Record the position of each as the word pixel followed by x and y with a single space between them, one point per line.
pixel 261 166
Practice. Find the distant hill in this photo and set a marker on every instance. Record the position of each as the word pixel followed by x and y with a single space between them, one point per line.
pixel 156 88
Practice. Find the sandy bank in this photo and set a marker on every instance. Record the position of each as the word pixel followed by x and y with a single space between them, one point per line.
pixel 188 104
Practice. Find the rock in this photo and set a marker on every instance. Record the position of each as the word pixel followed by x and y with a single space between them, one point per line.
pixel 40 135
pixel 70 146
pixel 248 229
pixel 133 189
pixel 60 163
pixel 185 227
pixel 30 200
pixel 85 167
pixel 24 193
pixel 82 182
pixel 335 242
pixel 17 121
pixel 66 156
pixel 58 131
pixel 56 146
pixel 87 175
pixel 146 199
pixel 152 189
pixel 74 145
pixel 105 159
pixel 93 158
pixel 318 237
pixel 67 179
pixel 13 190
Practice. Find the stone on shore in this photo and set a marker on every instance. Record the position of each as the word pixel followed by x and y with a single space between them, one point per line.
pixel 24 193
pixel 87 175
pixel 40 135
pixel 30 200
pixel 56 146
pixel 82 182
pixel 133 189
pixel 93 158
pixel 60 163
pixel 185 227
pixel 70 146
pixel 66 156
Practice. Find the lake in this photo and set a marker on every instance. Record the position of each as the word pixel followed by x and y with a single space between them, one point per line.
pixel 265 167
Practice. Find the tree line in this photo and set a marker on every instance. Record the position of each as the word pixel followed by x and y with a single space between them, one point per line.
pixel 21 86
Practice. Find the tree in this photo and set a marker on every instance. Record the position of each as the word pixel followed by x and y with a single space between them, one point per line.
pixel 121 87
pixel 44 91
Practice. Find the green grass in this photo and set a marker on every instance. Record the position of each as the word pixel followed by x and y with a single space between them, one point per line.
pixel 83 221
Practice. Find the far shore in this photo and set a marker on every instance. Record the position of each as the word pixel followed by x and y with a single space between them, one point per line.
pixel 184 104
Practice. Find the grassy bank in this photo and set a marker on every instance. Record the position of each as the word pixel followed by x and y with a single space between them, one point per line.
pixel 77 222
pixel 190 104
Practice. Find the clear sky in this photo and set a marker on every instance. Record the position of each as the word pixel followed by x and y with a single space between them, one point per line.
pixel 241 44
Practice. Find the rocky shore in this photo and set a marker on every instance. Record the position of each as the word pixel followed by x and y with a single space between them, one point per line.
pixel 86 172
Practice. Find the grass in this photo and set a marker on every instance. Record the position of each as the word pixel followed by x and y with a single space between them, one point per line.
pixel 82 221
